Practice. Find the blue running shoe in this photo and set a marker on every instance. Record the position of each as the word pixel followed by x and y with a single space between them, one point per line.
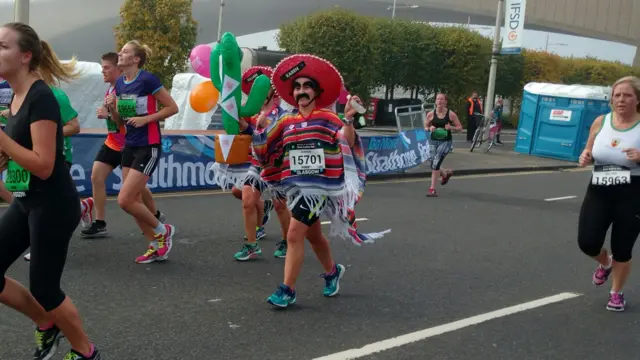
pixel 283 297
pixel 332 282
pixel 268 206
pixel 260 233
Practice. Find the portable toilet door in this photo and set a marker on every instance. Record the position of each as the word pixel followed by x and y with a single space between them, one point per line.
pixel 526 122
pixel 560 118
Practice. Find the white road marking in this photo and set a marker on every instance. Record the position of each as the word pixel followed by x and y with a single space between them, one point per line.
pixel 561 198
pixel 442 329
pixel 357 219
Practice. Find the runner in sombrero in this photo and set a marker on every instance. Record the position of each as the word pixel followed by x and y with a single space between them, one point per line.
pixel 255 211
pixel 316 170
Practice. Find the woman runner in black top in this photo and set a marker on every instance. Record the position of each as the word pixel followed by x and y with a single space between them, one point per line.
pixel 46 207
pixel 440 122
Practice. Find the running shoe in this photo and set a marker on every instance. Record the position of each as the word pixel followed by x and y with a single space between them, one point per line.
pixel 616 302
pixel 165 241
pixel 268 206
pixel 260 233
pixel 47 342
pixel 281 249
pixel 150 256
pixel 248 252
pixel 97 229
pixel 74 355
pixel 432 193
pixel 445 176
pixel 282 297
pixel 27 257
pixel 86 218
pixel 160 216
pixel 332 281
pixel 601 275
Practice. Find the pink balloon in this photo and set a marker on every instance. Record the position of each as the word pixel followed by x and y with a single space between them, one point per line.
pixel 199 58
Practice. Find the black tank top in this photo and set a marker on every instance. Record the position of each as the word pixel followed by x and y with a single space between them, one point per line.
pixel 439 124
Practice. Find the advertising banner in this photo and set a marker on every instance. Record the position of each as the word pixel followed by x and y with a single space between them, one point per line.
pixel 514 26
pixel 186 160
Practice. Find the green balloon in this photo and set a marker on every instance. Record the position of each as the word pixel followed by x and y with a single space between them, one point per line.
pixel 226 70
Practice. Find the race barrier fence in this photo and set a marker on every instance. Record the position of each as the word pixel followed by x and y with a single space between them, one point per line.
pixel 187 157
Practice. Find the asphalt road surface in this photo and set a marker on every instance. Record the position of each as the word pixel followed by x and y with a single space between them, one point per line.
pixel 488 243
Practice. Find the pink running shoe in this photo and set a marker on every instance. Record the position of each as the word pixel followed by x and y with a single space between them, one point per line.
pixel 616 302
pixel 86 218
pixel 150 256
pixel 165 241
pixel 601 275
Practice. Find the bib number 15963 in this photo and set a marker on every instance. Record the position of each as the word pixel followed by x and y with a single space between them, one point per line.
pixel 610 175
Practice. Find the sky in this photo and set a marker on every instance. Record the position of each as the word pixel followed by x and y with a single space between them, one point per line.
pixel 564 45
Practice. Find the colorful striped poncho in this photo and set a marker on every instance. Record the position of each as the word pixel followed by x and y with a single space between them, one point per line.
pixel 227 176
pixel 340 181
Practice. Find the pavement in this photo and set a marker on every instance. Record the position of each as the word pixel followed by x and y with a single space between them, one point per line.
pixel 500 159
pixel 488 243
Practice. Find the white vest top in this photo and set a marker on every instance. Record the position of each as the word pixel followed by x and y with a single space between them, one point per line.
pixel 609 143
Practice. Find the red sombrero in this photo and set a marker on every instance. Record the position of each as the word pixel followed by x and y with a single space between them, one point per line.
pixel 251 74
pixel 320 70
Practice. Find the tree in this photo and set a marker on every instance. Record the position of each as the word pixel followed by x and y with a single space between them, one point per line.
pixel 166 26
pixel 345 39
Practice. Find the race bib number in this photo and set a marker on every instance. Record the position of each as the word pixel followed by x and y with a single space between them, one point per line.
pixel 306 159
pixel 18 179
pixel 112 127
pixel 610 175
pixel 5 97
pixel 127 105
pixel 3 120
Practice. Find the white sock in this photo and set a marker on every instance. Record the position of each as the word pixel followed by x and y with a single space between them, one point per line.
pixel 84 206
pixel 610 263
pixel 160 229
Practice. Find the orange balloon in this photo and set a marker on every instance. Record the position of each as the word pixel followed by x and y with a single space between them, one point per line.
pixel 203 97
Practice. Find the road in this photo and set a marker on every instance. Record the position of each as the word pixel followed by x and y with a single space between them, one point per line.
pixel 487 243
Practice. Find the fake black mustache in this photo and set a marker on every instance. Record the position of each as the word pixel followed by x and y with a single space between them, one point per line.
pixel 301 96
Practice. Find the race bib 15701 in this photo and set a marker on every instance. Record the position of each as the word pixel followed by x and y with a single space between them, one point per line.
pixel 608 175
pixel 306 159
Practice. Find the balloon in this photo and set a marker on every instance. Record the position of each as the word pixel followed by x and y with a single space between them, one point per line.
pixel 225 64
pixel 203 97
pixel 199 59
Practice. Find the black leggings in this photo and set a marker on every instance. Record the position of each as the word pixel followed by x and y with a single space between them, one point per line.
pixel 45 224
pixel 617 206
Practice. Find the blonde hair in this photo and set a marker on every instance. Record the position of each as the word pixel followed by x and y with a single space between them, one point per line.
pixel 44 60
pixel 632 81
pixel 143 51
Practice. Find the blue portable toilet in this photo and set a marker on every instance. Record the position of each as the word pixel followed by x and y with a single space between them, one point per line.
pixel 555 119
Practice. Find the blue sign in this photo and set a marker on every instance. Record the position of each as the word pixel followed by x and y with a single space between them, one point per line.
pixel 187 159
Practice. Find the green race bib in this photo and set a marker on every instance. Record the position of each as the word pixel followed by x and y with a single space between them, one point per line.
pixel 127 106
pixel 112 127
pixel 18 179
pixel 3 120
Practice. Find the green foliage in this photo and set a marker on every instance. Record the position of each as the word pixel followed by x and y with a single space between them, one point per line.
pixel 379 52
pixel 166 26
pixel 342 37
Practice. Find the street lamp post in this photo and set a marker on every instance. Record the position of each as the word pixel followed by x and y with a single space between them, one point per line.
pixel 21 11
pixel 393 12
pixel 220 20
pixel 491 89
